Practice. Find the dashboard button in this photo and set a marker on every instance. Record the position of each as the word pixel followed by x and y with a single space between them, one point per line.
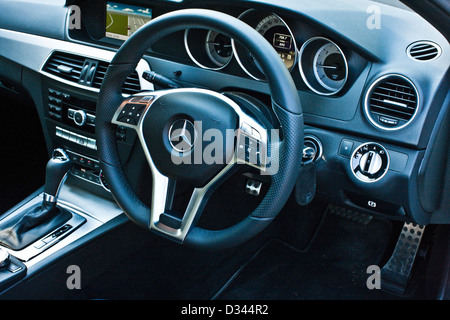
pixel 345 149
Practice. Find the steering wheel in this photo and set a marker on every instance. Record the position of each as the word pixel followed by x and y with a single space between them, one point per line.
pixel 170 125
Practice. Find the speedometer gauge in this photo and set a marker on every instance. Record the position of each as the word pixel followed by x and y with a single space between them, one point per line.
pixel 323 66
pixel 276 32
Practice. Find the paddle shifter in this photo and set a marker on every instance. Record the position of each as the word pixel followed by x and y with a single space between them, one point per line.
pixel 23 228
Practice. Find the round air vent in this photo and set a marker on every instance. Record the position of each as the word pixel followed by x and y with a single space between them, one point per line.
pixel 424 51
pixel 391 102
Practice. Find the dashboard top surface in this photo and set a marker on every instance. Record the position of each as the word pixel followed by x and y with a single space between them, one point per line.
pixel 368 40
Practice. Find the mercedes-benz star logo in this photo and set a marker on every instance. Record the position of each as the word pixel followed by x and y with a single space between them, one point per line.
pixel 182 135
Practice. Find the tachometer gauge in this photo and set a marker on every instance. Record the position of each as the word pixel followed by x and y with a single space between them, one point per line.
pixel 330 67
pixel 208 49
pixel 276 32
pixel 323 66
pixel 218 48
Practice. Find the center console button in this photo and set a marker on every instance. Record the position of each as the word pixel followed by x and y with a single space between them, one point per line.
pixel 79 117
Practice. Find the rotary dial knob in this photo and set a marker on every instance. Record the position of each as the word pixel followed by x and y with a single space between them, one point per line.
pixel 79 117
pixel 369 162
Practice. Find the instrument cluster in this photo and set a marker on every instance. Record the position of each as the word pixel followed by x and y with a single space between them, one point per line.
pixel 320 61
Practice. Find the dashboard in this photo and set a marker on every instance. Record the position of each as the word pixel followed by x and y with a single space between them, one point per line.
pixel 374 92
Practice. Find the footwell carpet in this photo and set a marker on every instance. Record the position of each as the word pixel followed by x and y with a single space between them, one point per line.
pixel 334 267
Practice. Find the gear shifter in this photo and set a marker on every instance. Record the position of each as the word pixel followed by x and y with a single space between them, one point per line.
pixel 23 228
pixel 57 168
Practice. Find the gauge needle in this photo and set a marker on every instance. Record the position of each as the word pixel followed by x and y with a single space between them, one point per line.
pixel 326 67
pixel 219 44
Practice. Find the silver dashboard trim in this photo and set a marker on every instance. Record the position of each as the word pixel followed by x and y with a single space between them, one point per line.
pixel 32 51
pixel 140 68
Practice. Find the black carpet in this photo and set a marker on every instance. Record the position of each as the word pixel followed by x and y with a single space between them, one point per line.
pixel 334 267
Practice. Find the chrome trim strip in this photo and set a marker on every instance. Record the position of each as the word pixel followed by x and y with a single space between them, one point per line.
pixel 369 91
pixel 395 103
pixel 49 198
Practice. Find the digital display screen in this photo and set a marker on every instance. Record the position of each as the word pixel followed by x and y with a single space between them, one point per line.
pixel 282 41
pixel 122 20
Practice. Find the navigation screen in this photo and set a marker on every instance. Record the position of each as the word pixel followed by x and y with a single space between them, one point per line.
pixel 122 20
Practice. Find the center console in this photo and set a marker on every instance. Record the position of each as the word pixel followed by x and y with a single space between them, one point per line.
pixel 71 123
pixel 67 110
pixel 39 223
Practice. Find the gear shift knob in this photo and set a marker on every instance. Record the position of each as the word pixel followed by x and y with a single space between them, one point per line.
pixel 56 172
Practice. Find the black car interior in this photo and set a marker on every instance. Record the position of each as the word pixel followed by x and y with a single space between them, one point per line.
pixel 338 161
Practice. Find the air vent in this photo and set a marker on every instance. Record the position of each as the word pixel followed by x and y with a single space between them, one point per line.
pixel 424 51
pixel 64 65
pixel 86 72
pixel 130 86
pixel 391 102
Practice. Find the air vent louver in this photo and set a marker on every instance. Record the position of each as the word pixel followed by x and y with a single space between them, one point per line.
pixel 130 86
pixel 64 65
pixel 391 102
pixel 424 51
pixel 70 67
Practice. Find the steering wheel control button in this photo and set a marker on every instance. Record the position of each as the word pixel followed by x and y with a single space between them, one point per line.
pixel 369 162
pixel 249 150
pixel 146 99
pixel 131 113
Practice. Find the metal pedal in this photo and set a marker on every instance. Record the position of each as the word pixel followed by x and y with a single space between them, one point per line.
pixel 253 187
pixel 397 271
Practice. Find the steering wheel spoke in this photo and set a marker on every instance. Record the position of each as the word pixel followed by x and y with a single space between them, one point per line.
pixel 171 224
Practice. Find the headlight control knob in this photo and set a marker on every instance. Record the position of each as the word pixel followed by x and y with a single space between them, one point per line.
pixel 369 162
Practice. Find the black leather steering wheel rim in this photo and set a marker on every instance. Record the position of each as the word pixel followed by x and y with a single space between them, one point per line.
pixel 285 103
